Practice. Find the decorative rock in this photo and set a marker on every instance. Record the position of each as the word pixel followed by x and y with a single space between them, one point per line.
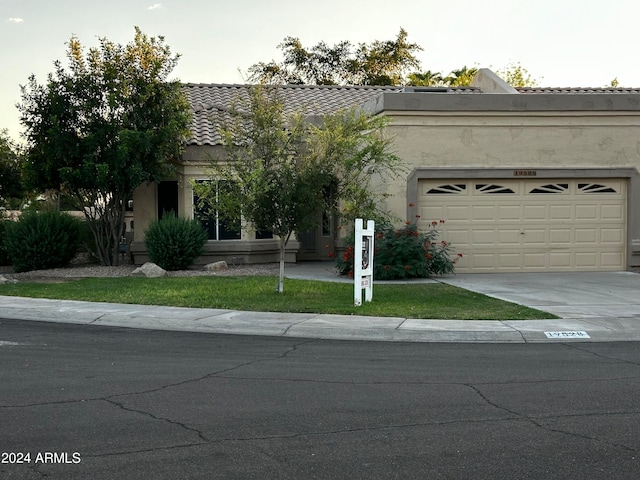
pixel 149 270
pixel 4 280
pixel 216 266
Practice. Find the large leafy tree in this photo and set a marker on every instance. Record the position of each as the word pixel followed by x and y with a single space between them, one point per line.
pixel 389 62
pixel 377 63
pixel 281 167
pixel 11 184
pixel 108 122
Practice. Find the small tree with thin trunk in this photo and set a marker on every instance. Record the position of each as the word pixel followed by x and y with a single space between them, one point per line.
pixel 278 168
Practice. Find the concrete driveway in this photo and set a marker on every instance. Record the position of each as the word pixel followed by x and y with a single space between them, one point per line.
pixel 568 295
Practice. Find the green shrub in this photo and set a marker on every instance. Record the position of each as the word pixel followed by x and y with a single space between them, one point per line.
pixel 4 256
pixel 404 253
pixel 38 241
pixel 174 243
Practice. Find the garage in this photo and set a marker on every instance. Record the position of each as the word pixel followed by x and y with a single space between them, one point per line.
pixel 529 224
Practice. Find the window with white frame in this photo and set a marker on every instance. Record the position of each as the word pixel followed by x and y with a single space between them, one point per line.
pixel 217 228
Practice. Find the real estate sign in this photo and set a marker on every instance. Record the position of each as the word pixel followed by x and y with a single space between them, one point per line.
pixel 363 262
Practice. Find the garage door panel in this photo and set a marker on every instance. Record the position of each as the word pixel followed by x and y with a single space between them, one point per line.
pixel 534 260
pixel 611 235
pixel 560 212
pixel 535 212
pixel 483 261
pixel 456 213
pixel 484 212
pixel 483 237
pixel 612 260
pixel 534 237
pixel 509 260
pixel 509 212
pixel 560 260
pixel 432 212
pixel 586 259
pixel 587 212
pixel 531 225
pixel 612 212
pixel 586 235
pixel 560 236
pixel 459 238
pixel 509 237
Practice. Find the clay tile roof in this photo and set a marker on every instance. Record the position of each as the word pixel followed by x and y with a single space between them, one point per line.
pixel 209 101
pixel 608 90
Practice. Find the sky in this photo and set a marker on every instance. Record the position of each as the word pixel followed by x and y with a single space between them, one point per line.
pixel 562 43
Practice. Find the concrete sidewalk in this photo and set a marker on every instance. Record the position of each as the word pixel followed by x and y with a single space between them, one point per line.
pixel 593 306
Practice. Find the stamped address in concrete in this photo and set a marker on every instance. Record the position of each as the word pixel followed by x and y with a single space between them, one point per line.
pixel 577 334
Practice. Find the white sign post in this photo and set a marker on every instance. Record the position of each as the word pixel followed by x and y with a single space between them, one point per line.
pixel 363 262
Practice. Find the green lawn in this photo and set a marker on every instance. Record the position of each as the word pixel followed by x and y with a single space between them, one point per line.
pixel 435 301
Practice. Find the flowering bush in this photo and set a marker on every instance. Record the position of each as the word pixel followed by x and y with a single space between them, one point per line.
pixel 405 253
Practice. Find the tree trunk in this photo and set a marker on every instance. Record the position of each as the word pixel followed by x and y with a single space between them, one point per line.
pixel 283 244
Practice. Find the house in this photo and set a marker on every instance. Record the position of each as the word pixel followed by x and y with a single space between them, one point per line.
pixel 530 179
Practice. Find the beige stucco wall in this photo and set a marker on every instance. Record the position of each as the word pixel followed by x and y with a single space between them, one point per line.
pixel 486 144
pixel 145 209
pixel 532 141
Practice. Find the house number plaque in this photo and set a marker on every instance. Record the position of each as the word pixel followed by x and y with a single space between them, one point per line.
pixel 525 173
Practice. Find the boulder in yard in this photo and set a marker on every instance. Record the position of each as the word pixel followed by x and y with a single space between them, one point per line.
pixel 216 266
pixel 4 280
pixel 149 270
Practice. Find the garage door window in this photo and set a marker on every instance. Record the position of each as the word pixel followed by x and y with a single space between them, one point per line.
pixel 595 188
pixel 492 188
pixel 450 189
pixel 552 188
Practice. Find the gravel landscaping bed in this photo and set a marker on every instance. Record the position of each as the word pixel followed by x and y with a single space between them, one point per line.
pixel 86 270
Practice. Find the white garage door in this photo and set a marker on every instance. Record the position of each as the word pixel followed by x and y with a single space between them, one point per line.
pixel 530 225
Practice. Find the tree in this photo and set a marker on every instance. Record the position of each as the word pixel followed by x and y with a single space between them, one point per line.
pixel 103 126
pixel 456 78
pixel 11 185
pixel 278 168
pixel 514 74
pixel 386 63
pixel 426 79
pixel 517 76
pixel 378 63
pixel 461 77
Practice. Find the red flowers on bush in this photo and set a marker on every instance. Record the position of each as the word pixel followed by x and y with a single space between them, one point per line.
pixel 405 252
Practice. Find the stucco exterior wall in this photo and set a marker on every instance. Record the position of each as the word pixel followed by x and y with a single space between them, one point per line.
pixel 480 140
pixel 467 144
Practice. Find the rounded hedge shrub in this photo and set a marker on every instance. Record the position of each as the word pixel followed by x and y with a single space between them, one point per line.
pixel 174 243
pixel 42 240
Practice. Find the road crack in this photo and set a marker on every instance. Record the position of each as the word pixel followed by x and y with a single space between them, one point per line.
pixel 155 417
pixel 217 373
pixel 581 348
pixel 536 423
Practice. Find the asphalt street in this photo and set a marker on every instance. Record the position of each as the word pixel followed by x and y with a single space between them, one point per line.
pixel 95 402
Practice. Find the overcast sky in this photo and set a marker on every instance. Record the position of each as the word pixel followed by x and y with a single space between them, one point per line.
pixel 561 42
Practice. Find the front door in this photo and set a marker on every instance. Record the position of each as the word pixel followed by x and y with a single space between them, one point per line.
pixel 317 243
